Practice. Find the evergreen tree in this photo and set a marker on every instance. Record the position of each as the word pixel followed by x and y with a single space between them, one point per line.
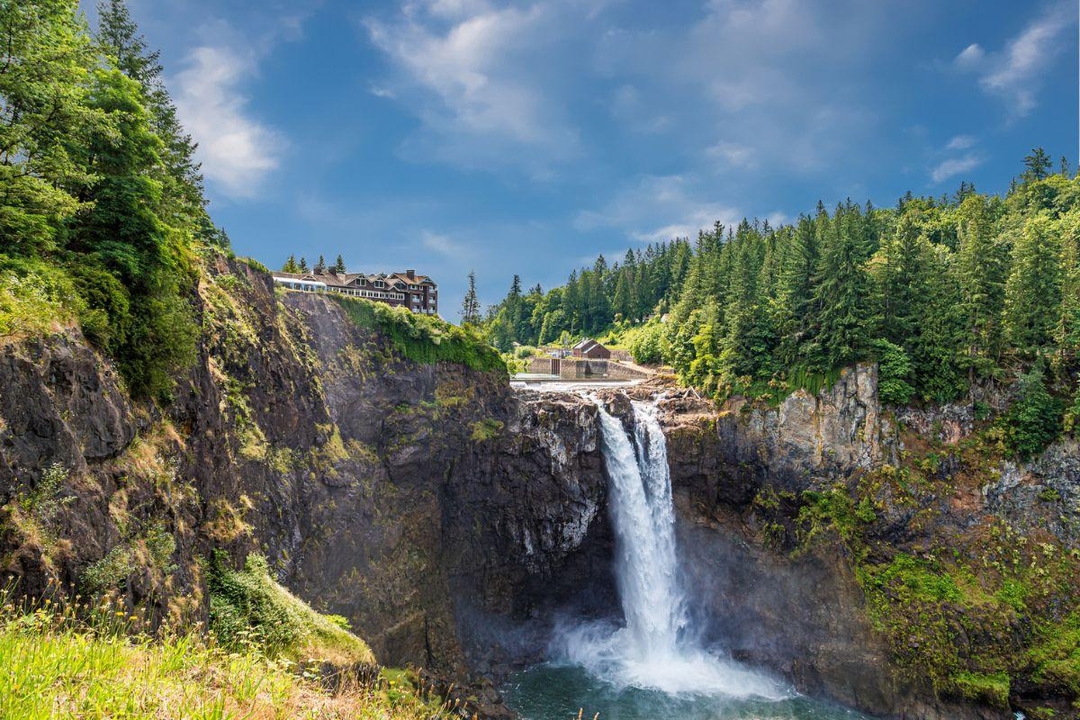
pixel 981 270
pixel 795 290
pixel 44 118
pixel 742 349
pixel 1067 333
pixel 470 306
pixel 339 265
pixel 119 39
pixel 840 301
pixel 899 275
pixel 1033 289
pixel 303 265
pixel 1036 166
pixel 290 265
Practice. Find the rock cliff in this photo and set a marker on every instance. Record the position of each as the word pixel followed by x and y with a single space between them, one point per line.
pixel 451 519
pixel 418 500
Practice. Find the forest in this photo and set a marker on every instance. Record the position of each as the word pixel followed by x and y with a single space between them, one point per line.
pixel 102 209
pixel 948 294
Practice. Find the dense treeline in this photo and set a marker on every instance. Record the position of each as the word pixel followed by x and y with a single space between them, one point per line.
pixel 592 300
pixel 101 200
pixel 947 294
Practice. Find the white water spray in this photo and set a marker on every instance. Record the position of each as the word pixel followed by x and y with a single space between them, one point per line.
pixel 654 649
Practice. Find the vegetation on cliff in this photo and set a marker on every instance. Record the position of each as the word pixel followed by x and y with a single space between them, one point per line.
pixel 249 610
pixel 981 605
pixel 422 338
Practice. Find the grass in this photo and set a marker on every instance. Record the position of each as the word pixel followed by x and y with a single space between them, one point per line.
pixel 487 429
pixel 91 660
pixel 992 689
pixel 251 612
pixel 423 339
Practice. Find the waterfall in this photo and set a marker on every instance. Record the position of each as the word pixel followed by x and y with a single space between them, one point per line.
pixel 642 514
pixel 655 648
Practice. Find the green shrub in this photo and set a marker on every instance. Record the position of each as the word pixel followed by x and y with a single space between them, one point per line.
pixel 523 352
pixel 421 338
pixel 811 380
pixel 647 343
pixel 908 578
pixel 1072 415
pixel 254 264
pixel 1035 418
pixel 34 296
pixel 1056 655
pixel 894 372
pixel 249 611
pixel 992 689
pixel 486 430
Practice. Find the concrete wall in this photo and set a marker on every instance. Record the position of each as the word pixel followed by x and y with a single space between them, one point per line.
pixel 582 369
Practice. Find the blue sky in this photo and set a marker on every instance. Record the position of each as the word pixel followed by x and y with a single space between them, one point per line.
pixel 526 137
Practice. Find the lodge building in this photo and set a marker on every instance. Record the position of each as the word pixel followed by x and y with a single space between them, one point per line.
pixel 419 293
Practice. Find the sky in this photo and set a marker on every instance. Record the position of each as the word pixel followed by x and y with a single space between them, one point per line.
pixel 528 137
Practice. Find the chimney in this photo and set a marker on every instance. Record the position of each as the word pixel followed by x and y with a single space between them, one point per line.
pixel 411 274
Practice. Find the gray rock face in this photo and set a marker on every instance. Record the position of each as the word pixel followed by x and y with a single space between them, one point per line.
pixel 449 518
pixel 427 503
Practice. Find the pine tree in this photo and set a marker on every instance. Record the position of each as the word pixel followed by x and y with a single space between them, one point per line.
pixel 470 306
pixel 898 270
pixel 339 265
pixel 290 265
pixel 795 291
pixel 44 116
pixel 981 269
pixel 840 299
pixel 742 349
pixel 303 265
pixel 1033 290
pixel 119 38
pixel 1067 333
pixel 1036 166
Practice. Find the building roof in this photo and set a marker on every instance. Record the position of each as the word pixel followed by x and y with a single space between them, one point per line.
pixel 331 278
pixel 587 344
pixel 414 280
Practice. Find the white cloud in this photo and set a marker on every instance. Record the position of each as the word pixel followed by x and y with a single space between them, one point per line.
pixel 954 166
pixel 784 77
pixel 960 142
pixel 732 154
pixel 237 151
pixel 655 208
pixel 443 245
pixel 477 78
pixel 1015 72
pixel 970 57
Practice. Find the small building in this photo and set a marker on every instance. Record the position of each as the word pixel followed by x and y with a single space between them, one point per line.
pixel 591 350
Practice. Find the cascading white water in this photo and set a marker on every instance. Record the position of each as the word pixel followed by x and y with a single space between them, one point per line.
pixel 642 515
pixel 653 650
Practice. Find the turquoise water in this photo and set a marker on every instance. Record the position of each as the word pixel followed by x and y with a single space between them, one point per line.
pixel 558 692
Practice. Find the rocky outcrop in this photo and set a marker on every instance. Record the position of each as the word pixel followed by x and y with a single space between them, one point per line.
pixel 723 458
pixel 451 519
pixel 425 502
